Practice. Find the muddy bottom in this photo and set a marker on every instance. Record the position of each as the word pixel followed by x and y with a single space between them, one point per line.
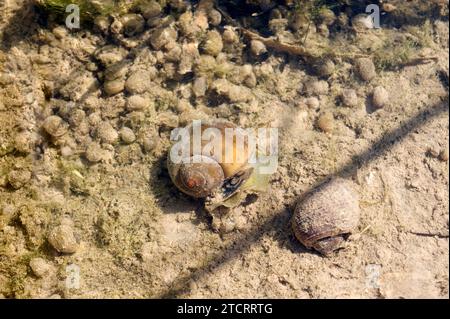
pixel 87 207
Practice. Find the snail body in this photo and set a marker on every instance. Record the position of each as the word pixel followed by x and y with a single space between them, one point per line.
pixel 324 218
pixel 217 170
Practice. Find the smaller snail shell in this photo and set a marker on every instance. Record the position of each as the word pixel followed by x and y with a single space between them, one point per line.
pixel 325 217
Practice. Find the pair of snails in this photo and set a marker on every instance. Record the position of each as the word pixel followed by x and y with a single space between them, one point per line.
pixel 322 219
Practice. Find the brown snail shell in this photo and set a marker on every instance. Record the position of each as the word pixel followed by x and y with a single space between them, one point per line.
pixel 324 218
pixel 202 179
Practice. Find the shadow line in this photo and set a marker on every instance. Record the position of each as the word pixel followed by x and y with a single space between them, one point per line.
pixel 280 220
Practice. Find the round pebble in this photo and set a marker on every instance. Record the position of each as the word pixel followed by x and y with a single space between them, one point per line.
pixel 349 97
pixel 132 24
pixel 151 9
pixel 380 97
pixel 199 86
pixel 127 135
pixel 40 267
pixel 148 144
pixel 139 82
pixel 137 103
pixel 326 68
pixel 213 44
pixel 55 126
pixel 215 17
pixel 229 36
pixel 107 133
pixel 257 47
pixel 66 151
pixel 313 103
pixel 366 69
pixel 62 238
pixel 114 87
pixel 314 87
pixel 94 152
pixel 326 122
pixel 102 23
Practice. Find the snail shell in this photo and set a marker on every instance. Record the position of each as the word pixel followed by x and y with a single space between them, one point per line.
pixel 202 174
pixel 325 217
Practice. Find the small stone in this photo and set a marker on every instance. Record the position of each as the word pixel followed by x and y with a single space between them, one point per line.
pixel 313 103
pixel 315 87
pixel 163 36
pixel 199 86
pixel 213 44
pixel 251 81
pixel 116 71
pixel 60 32
pixel 94 119
pixel 127 135
pixel 349 98
pixel 107 133
pixel 327 16
pixel 443 155
pixel 62 238
pixel 215 17
pixel 94 152
pixel 40 267
pixel 114 87
pixel 55 126
pixel 326 122
pixel 77 117
pixel 7 210
pixel 257 48
pixel 102 23
pixel 229 35
pixel 151 9
pixel 380 97
pixel 18 178
pixel 132 24
pixel 140 81
pixel 433 152
pixel 148 144
pixel 6 79
pixel 389 7
pixel 66 151
pixel 366 69
pixel 168 119
pixel 137 103
pixel 326 68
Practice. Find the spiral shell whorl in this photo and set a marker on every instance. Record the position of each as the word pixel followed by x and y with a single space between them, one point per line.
pixel 324 218
pixel 199 177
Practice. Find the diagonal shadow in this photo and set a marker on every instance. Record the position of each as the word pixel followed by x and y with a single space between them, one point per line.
pixel 280 219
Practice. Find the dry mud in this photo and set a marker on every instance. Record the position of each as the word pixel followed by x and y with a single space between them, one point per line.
pixel 137 236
